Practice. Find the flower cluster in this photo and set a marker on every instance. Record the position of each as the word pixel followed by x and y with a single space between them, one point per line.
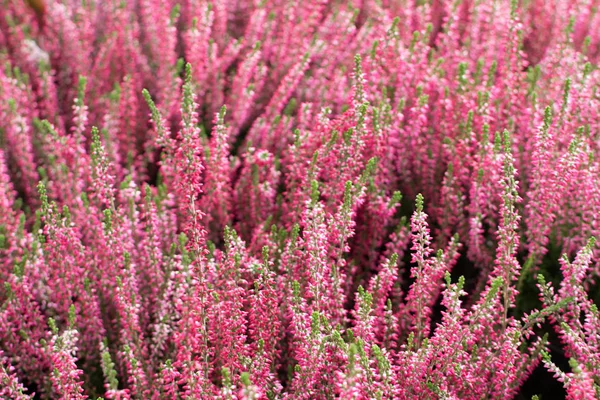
pixel 298 200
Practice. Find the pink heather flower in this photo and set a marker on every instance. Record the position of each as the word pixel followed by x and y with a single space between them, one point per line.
pixel 11 387
pixel 16 115
pixel 217 180
pixel 7 195
pixel 415 314
pixel 581 385
pixel 265 329
pixel 188 167
pixel 65 375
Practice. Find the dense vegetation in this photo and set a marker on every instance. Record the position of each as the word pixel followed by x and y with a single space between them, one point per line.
pixel 299 200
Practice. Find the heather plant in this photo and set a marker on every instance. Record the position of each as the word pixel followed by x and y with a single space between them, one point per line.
pixel 299 200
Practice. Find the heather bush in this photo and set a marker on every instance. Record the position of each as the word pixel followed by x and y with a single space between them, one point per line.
pixel 364 199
